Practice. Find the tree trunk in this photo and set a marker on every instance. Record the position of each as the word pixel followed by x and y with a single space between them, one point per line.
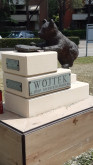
pixel 27 15
pixel 89 11
pixel 62 10
pixel 61 24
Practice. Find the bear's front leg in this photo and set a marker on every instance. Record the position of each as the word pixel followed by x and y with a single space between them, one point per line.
pixel 51 48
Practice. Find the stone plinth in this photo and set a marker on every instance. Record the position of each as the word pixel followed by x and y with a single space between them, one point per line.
pixel 29 64
pixel 33 85
pixel 29 87
pixel 41 104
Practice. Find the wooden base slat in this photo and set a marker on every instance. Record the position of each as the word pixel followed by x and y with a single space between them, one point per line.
pixel 10 146
pixel 70 137
pixel 48 139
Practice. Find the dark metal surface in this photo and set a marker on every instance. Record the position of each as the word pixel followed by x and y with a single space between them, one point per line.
pixel 55 41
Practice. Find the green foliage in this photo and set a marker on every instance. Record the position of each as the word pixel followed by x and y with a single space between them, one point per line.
pixel 80 33
pixel 11 42
pixel 5 10
pixel 83 159
pixel 59 7
pixel 76 4
pixel 52 8
pixel 74 39
pixel 4 34
pixel 0 43
pixel 56 19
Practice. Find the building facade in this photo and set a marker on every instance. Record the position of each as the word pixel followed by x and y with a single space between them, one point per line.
pixel 79 17
pixel 37 11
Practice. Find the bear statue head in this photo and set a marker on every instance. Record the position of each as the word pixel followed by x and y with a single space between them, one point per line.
pixel 48 29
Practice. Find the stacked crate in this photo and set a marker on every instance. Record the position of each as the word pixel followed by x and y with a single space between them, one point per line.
pixel 33 84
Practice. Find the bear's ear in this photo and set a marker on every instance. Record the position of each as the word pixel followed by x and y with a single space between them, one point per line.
pixel 44 21
pixel 51 23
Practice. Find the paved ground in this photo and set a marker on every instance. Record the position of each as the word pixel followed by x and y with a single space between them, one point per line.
pixel 82 49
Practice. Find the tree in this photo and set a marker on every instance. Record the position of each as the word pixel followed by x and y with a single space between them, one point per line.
pixel 28 14
pixel 52 8
pixel 5 9
pixel 78 4
pixel 64 5
pixel 89 10
pixel 59 7
pixel 62 8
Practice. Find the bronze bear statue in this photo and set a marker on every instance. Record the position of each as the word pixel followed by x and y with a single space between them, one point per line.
pixel 56 41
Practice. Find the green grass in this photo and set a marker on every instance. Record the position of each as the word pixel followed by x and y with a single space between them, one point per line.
pixel 84 60
pixel 83 68
pixel 81 60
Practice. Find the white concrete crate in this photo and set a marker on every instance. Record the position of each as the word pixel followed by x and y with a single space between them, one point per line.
pixel 29 64
pixel 29 87
pixel 35 106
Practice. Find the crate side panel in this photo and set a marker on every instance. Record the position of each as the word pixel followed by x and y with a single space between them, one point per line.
pixel 59 142
pixel 10 147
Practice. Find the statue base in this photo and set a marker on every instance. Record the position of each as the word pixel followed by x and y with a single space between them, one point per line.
pixel 42 104
pixel 50 138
